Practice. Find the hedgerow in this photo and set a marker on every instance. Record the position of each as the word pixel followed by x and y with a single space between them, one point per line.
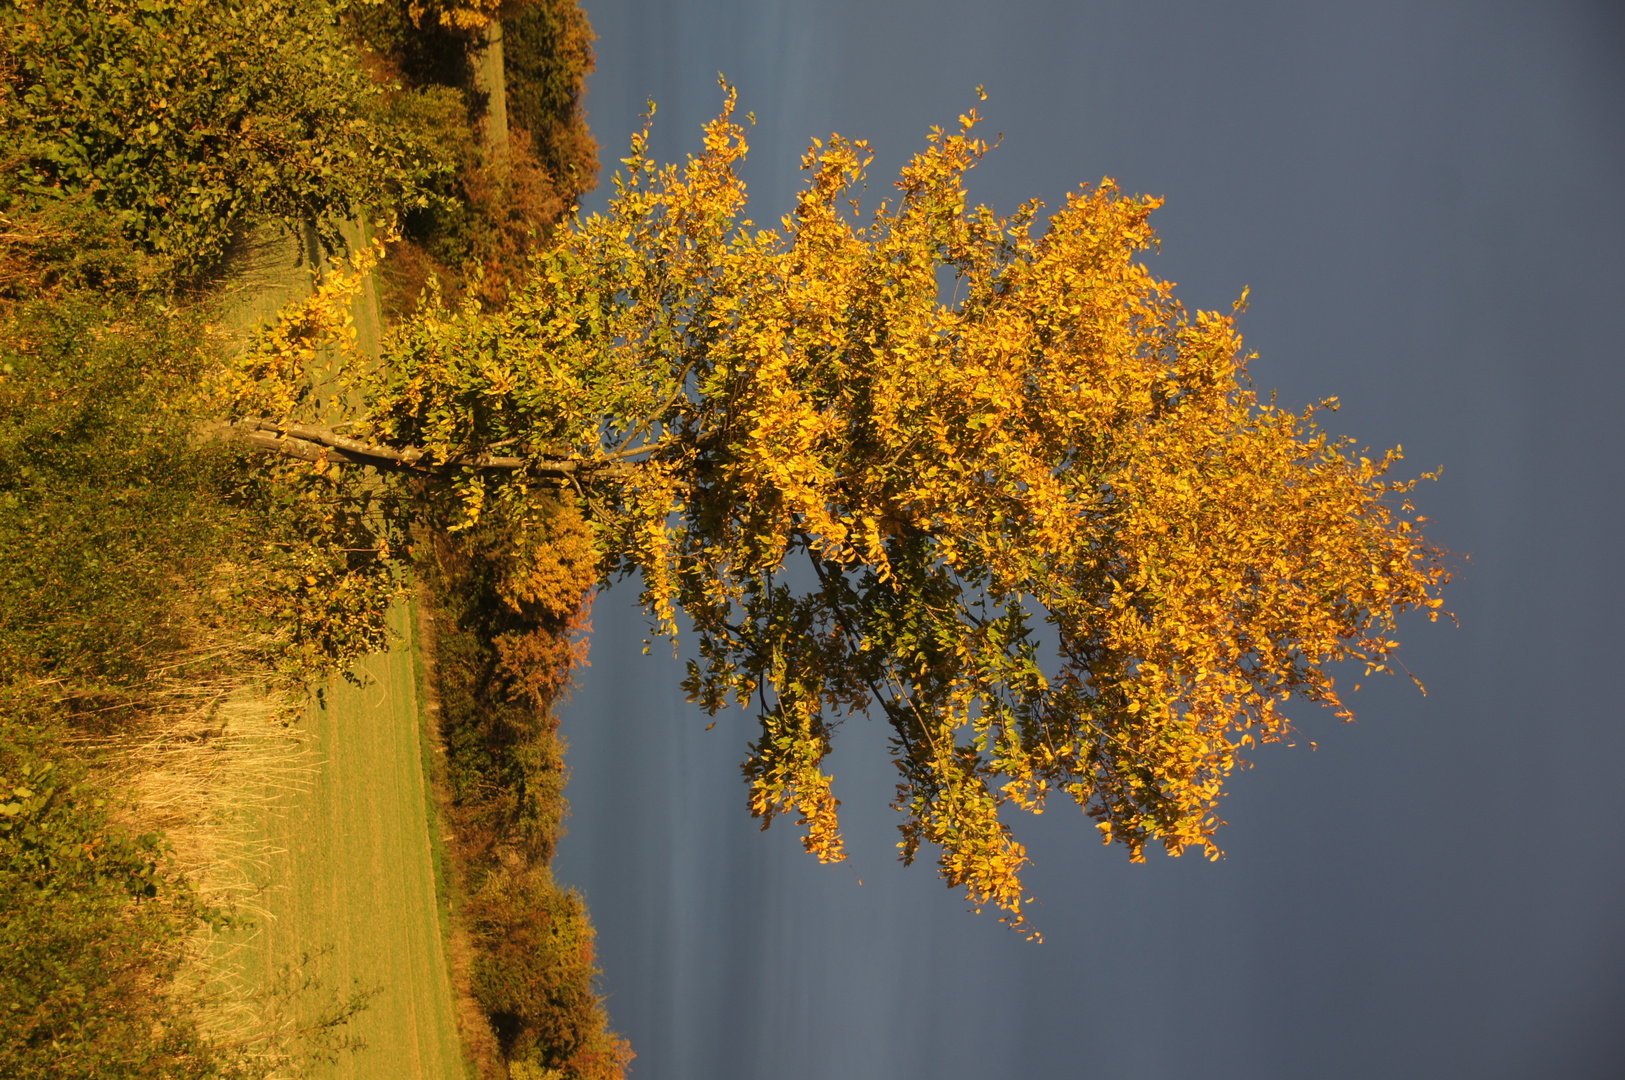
pixel 502 663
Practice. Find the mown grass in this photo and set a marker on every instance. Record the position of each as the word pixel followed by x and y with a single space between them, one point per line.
pixel 349 903
pixel 349 898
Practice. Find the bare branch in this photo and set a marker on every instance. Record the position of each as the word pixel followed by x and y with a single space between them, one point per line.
pixel 309 442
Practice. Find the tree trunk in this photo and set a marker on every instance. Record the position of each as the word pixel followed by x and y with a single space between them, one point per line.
pixel 490 81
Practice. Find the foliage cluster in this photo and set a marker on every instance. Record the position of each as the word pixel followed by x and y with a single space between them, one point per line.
pixel 460 15
pixel 128 535
pixel 326 559
pixel 1061 451
pixel 68 245
pixel 502 658
pixel 185 120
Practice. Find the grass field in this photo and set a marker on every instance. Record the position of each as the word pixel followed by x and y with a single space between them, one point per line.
pixel 347 890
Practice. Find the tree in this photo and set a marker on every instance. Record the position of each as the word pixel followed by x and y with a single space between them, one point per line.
pixel 1061 454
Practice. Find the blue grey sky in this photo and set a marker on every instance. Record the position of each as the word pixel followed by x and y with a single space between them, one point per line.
pixel 1425 199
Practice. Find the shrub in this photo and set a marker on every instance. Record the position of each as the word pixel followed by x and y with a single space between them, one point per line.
pixel 106 510
pixel 533 975
pixel 187 119
pixel 502 660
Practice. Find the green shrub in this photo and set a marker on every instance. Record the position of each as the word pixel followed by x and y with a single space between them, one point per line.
pixel 108 514
pixel 130 538
pixel 187 119
pixel 69 244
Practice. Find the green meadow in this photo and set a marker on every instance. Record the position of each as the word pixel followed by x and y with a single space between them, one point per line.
pixel 348 896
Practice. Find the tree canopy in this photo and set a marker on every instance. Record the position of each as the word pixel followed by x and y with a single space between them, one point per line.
pixel 869 498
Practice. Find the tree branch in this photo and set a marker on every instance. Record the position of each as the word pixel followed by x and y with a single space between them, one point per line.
pixel 308 442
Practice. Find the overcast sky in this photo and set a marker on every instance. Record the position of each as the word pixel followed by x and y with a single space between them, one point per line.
pixel 1425 200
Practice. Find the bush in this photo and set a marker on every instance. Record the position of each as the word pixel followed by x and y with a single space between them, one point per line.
pixel 107 512
pixel 69 244
pixel 533 976
pixel 547 50
pixel 187 119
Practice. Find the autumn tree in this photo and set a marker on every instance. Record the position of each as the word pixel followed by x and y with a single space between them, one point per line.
pixel 1063 454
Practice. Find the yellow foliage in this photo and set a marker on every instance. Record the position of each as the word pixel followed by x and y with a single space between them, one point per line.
pixel 550 562
pixel 458 14
pixel 1062 443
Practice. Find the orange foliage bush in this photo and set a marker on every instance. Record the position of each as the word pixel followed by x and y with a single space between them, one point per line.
pixel 534 974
